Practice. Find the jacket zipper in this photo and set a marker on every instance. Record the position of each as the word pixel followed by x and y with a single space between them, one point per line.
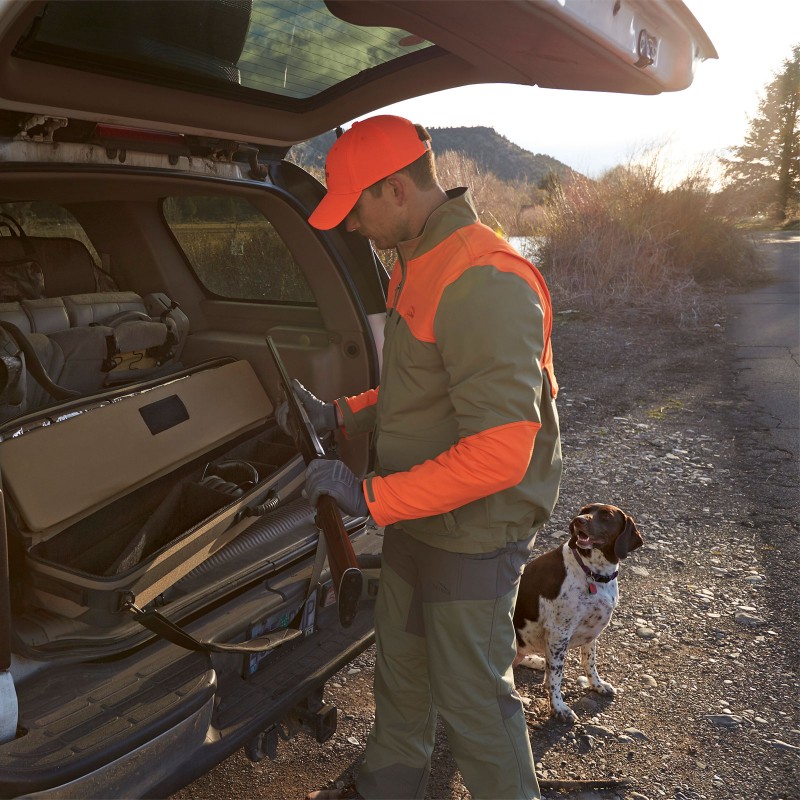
pixel 400 283
pixel 392 321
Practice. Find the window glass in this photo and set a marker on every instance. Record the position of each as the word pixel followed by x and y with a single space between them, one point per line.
pixel 42 219
pixel 234 251
pixel 290 48
pixel 298 48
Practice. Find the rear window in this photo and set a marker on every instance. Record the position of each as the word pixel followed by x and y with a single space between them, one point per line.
pixel 234 251
pixel 292 48
pixel 40 218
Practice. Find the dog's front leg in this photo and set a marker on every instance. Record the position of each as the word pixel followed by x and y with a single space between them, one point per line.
pixel 555 654
pixel 589 662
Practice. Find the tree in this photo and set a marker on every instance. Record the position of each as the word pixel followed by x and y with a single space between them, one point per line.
pixel 765 170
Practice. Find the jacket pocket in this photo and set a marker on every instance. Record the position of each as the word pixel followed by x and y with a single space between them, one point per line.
pixel 469 522
pixel 439 525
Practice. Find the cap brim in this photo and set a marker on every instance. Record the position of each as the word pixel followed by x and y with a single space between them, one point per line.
pixel 333 208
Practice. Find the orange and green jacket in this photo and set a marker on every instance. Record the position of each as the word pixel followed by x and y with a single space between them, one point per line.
pixel 466 437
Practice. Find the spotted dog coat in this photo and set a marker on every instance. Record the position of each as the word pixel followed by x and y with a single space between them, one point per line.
pixel 563 603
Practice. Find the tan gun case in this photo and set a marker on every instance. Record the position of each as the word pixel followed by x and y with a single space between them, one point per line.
pixel 116 497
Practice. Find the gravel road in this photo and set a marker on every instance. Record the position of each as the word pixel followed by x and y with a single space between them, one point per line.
pixel 703 647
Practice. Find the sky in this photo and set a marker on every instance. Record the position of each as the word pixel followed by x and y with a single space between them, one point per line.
pixel 594 131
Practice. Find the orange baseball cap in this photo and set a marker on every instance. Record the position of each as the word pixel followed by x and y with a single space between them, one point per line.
pixel 364 154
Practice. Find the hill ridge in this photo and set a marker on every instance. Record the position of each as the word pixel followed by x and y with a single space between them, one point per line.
pixel 483 144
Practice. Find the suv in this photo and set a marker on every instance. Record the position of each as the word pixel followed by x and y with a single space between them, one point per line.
pixel 163 599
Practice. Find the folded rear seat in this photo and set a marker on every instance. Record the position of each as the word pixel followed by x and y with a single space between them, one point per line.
pixel 84 336
pixel 72 358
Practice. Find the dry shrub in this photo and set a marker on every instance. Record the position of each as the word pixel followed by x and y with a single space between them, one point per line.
pixel 624 241
pixel 498 202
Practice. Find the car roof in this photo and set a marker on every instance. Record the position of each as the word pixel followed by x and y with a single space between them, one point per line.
pixel 277 72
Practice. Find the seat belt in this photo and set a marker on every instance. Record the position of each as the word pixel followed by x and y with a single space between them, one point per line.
pixel 35 366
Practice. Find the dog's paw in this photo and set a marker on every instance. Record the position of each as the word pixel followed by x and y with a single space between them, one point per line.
pixel 603 687
pixel 532 662
pixel 563 713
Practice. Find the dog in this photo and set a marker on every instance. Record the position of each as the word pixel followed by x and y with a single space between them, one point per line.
pixel 567 596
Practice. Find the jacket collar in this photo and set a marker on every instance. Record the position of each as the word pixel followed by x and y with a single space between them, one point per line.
pixel 456 212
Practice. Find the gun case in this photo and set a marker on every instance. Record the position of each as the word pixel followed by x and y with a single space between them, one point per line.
pixel 114 498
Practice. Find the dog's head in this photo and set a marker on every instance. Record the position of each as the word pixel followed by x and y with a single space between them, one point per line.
pixel 605 528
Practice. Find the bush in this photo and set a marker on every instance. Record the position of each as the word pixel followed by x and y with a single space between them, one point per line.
pixel 625 241
pixel 498 202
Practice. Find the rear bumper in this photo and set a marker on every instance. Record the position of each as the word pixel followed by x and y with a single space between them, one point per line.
pixel 275 692
pixel 133 774
pixel 88 728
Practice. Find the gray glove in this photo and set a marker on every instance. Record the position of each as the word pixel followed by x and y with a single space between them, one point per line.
pixel 334 478
pixel 321 415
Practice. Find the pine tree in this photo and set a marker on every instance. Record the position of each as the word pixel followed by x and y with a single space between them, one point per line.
pixel 766 168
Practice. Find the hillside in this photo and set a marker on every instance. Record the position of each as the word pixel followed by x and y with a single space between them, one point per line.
pixel 491 151
pixel 496 154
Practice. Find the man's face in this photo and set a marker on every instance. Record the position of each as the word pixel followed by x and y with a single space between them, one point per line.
pixel 377 218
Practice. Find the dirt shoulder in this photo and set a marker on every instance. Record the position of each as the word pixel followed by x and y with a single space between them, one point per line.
pixel 703 648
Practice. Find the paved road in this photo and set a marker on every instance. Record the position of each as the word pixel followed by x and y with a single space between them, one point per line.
pixel 766 330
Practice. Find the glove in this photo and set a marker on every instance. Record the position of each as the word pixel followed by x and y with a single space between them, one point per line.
pixel 334 478
pixel 321 415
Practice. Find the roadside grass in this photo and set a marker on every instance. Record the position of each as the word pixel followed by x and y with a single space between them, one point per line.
pixel 669 406
pixel 624 241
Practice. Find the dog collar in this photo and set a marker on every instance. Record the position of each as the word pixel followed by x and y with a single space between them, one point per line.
pixel 591 577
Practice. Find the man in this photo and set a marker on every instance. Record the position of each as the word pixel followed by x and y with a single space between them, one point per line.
pixel 468 463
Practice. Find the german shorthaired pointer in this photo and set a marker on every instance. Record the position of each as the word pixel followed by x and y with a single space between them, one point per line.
pixel 567 596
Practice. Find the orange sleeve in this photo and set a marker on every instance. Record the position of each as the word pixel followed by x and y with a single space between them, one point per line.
pixel 359 402
pixel 357 412
pixel 476 466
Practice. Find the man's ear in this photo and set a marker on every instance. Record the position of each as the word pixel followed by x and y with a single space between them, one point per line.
pixel 395 186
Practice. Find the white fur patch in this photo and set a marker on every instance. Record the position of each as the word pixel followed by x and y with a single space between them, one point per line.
pixel 533 662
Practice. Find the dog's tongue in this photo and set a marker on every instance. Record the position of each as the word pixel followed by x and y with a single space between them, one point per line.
pixel 584 540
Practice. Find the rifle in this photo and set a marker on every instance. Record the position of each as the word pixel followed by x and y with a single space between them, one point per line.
pixel 347 578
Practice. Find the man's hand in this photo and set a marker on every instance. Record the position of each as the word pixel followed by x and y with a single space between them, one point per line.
pixel 321 415
pixel 334 478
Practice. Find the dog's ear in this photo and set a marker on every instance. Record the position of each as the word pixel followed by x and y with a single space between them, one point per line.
pixel 572 534
pixel 628 540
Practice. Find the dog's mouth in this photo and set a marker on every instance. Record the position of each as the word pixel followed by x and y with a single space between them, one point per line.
pixel 583 541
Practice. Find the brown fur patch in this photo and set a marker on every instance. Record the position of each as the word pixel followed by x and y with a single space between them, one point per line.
pixel 542 577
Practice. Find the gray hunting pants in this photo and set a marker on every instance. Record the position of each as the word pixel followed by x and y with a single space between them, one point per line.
pixel 445 643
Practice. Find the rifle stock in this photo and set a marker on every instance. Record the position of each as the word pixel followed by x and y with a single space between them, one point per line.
pixel 346 575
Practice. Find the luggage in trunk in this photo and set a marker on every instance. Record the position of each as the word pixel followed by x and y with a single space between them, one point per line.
pixel 116 498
